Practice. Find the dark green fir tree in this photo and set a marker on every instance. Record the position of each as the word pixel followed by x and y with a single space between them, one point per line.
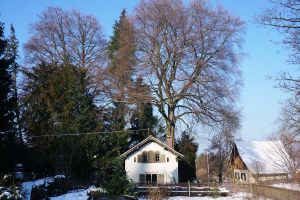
pixel 7 134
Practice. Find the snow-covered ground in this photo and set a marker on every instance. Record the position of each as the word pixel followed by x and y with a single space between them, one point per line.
pixel 27 186
pixel 236 196
pixel 82 195
pixel 76 194
pixel 290 186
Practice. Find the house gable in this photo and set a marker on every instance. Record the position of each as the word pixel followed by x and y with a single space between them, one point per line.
pixel 262 161
pixel 148 140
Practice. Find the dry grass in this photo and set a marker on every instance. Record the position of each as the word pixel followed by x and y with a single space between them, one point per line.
pixel 158 193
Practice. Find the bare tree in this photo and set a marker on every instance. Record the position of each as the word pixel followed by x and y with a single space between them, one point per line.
pixel 257 168
pixel 289 152
pixel 284 17
pixel 188 56
pixel 223 142
pixel 67 36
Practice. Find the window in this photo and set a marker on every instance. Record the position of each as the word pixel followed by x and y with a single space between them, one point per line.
pixel 145 158
pixel 148 178
pixel 134 159
pixel 156 157
pixel 167 159
pixel 243 176
pixel 151 178
pixel 154 178
pixel 142 178
pixel 237 175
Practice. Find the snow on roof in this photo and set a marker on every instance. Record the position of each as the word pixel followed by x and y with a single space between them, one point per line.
pixel 264 157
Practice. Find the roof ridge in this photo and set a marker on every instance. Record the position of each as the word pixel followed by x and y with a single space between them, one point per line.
pixel 151 137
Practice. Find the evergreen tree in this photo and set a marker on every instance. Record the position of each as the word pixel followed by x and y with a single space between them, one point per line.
pixel 12 54
pixel 119 183
pixel 142 117
pixel 7 134
pixel 188 148
pixel 120 53
pixel 57 102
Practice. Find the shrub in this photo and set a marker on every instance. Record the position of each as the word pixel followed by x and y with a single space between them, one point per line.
pixel 158 193
pixel 119 184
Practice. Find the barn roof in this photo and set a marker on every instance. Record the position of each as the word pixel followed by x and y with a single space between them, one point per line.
pixel 150 138
pixel 264 157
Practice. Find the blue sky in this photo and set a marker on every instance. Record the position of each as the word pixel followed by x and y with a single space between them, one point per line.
pixel 259 101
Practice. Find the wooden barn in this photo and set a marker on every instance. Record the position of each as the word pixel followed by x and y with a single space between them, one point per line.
pixel 259 161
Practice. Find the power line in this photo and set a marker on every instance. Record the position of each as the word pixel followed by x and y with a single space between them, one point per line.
pixel 91 133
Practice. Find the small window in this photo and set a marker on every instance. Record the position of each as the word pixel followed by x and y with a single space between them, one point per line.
pixel 237 175
pixel 134 159
pixel 145 158
pixel 156 157
pixel 243 176
pixel 167 159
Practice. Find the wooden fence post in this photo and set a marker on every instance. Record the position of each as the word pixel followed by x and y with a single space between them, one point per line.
pixel 189 188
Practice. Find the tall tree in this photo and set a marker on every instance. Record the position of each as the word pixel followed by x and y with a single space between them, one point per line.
pixel 142 117
pixel 188 55
pixel 121 54
pixel 7 134
pixel 188 147
pixel 57 101
pixel 12 54
pixel 222 143
pixel 62 36
pixel 284 17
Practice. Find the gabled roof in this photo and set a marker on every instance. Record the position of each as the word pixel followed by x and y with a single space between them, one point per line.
pixel 264 157
pixel 149 139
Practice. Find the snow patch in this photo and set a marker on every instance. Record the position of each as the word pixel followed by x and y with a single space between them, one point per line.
pixel 235 196
pixel 95 189
pixel 27 186
pixel 74 194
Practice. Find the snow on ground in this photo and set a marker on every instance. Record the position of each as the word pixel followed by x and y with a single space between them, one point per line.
pixel 290 186
pixel 27 186
pixel 236 196
pixel 75 194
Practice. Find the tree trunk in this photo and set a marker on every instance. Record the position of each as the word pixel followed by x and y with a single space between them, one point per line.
pixel 170 122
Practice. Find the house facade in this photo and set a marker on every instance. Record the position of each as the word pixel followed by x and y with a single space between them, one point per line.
pixel 259 161
pixel 152 162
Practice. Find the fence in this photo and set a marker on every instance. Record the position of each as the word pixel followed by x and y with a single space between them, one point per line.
pixel 268 191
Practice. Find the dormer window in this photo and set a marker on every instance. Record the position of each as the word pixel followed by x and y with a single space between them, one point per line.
pixel 157 157
pixel 145 158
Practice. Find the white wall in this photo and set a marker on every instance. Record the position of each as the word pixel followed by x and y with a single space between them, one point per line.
pixel 168 169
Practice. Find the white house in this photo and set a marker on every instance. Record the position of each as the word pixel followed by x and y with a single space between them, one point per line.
pixel 259 161
pixel 152 161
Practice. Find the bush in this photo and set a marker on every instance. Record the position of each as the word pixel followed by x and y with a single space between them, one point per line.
pixel 119 184
pixel 158 193
pixel 215 193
